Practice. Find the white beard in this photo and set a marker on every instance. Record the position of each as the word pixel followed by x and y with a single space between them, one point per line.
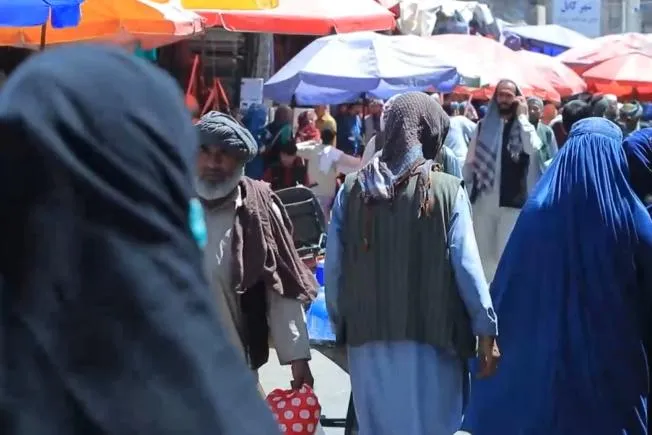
pixel 213 191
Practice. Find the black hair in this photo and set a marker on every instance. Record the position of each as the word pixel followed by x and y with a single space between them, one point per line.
pixel 289 148
pixel 448 108
pixel 574 111
pixel 328 137
pixel 506 82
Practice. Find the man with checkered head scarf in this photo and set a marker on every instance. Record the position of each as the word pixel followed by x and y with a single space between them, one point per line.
pixel 255 272
pixel 404 283
pixel 501 168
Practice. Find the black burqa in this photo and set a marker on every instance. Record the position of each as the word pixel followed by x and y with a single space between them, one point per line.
pixel 107 324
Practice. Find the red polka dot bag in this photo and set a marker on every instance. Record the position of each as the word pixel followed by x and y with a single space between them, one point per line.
pixel 297 412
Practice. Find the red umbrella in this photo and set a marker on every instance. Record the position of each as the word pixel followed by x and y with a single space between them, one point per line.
pixel 492 62
pixel 622 75
pixel 606 47
pixel 306 17
pixel 562 78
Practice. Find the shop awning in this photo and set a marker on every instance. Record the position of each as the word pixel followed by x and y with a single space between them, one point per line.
pixel 306 17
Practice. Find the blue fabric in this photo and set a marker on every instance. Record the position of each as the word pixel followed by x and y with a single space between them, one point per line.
pixel 451 164
pixel 255 119
pixel 25 13
pixel 638 148
pixel 567 292
pixel 197 222
pixel 349 133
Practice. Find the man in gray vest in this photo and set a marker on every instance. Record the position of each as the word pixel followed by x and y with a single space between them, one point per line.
pixel 404 284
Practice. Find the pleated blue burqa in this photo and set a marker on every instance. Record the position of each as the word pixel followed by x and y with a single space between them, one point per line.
pixel 569 292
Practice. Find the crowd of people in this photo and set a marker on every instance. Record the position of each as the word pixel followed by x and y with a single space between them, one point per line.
pixel 147 263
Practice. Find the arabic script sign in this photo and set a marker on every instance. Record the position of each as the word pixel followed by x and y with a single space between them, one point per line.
pixel 583 16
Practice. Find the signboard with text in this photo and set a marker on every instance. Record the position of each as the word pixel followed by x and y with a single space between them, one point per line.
pixel 583 16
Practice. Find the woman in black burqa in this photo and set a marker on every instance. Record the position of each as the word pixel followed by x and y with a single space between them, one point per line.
pixel 107 325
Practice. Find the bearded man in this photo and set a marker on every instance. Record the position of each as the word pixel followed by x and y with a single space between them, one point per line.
pixel 404 283
pixel 549 147
pixel 501 168
pixel 252 265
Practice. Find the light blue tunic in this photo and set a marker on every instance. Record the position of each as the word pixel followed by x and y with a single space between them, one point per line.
pixel 405 387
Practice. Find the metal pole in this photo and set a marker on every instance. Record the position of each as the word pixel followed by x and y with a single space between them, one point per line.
pixel 541 15
pixel 633 15
pixel 43 36
pixel 623 16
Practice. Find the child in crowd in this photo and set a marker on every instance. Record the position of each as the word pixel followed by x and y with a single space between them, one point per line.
pixel 289 170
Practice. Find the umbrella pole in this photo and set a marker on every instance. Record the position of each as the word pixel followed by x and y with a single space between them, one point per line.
pixel 43 34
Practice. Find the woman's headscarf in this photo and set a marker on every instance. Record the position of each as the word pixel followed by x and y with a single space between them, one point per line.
pixel 255 120
pixel 566 293
pixel 415 128
pixel 638 148
pixel 107 323
pixel 307 130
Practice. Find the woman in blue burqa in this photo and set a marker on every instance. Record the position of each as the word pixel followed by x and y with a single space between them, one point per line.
pixel 572 287
pixel 638 149
pixel 107 325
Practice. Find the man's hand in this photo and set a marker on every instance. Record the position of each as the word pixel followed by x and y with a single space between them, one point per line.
pixel 522 108
pixel 489 355
pixel 301 374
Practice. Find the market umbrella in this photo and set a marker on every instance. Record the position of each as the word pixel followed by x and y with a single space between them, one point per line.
pixel 146 22
pixel 565 81
pixel 59 13
pixel 598 50
pixel 338 68
pixel 624 75
pixel 227 4
pixel 305 17
pixel 552 34
pixel 492 62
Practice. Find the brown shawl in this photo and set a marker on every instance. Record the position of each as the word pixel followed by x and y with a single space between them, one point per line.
pixel 263 249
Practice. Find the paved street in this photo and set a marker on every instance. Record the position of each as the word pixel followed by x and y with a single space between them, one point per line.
pixel 332 384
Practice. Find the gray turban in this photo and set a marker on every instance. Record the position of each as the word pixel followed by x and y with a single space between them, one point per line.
pixel 219 129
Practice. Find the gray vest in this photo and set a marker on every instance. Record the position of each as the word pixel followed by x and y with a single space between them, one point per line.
pixel 398 282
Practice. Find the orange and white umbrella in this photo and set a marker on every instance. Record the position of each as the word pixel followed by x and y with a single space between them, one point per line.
pixel 149 23
pixel 304 17
pixel 565 81
pixel 614 64
pixel 224 5
pixel 492 62
pixel 598 50
pixel 623 75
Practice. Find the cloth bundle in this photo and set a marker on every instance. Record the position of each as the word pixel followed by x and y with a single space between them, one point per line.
pixel 297 412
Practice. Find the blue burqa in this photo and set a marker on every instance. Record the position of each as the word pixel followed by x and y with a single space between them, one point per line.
pixel 567 293
pixel 638 148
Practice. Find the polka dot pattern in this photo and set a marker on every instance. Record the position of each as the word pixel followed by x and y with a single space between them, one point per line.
pixel 297 412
